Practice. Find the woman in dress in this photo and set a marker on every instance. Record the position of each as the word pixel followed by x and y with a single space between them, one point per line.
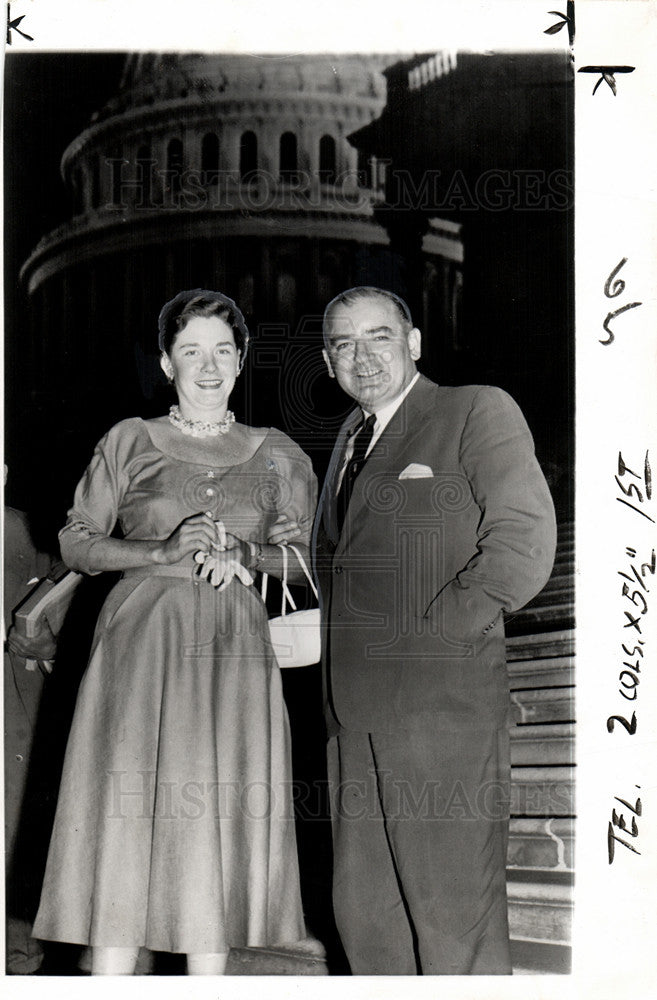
pixel 174 827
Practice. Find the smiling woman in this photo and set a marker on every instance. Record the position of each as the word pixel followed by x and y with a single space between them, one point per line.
pixel 204 341
pixel 204 363
pixel 181 703
pixel 203 350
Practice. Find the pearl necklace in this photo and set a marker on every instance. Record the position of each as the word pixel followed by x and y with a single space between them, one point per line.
pixel 200 428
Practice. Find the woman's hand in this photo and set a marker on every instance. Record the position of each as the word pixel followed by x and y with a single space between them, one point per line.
pixel 232 544
pixel 197 533
pixel 226 561
pixel 284 530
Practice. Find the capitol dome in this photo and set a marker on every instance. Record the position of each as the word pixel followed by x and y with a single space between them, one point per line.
pixel 232 172
pixel 247 143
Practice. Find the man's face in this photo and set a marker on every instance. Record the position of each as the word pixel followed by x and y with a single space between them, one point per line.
pixel 369 351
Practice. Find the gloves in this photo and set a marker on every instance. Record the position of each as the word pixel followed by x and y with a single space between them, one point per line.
pixel 220 570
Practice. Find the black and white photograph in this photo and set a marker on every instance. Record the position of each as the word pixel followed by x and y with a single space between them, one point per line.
pixel 292 499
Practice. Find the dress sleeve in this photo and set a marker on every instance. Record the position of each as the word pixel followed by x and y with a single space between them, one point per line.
pixel 300 501
pixel 95 505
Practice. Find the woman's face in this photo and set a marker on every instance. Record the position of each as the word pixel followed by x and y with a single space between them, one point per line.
pixel 204 364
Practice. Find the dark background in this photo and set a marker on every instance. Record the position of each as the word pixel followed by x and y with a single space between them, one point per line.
pixel 48 100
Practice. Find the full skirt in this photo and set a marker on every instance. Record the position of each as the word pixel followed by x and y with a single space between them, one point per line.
pixel 175 824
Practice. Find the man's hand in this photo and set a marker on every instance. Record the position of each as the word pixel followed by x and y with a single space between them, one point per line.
pixel 40 647
pixel 284 530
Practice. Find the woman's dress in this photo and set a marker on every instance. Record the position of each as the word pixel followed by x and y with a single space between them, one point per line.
pixel 175 825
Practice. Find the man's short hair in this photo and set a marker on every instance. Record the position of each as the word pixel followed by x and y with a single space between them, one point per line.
pixel 353 295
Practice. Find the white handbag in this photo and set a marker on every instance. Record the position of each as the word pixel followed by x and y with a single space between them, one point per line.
pixel 294 635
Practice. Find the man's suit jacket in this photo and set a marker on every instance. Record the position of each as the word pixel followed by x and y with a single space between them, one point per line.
pixel 450 523
pixel 23 564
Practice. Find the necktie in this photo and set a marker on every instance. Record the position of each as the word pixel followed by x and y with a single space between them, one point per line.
pixel 361 438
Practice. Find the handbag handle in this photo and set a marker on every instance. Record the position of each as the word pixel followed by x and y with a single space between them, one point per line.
pixel 305 569
pixel 286 596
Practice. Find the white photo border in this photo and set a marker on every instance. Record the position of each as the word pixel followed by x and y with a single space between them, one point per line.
pixel 616 219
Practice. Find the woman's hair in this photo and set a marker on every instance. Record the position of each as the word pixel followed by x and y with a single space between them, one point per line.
pixel 176 314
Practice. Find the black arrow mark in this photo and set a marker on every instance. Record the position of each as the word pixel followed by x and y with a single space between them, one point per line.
pixel 607 74
pixel 568 19
pixel 13 26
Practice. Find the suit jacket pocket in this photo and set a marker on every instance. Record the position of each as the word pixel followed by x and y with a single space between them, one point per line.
pixel 438 496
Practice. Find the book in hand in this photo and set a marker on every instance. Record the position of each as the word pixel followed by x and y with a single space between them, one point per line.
pixel 49 602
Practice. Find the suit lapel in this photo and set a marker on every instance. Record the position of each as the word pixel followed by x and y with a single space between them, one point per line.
pixel 408 421
pixel 327 504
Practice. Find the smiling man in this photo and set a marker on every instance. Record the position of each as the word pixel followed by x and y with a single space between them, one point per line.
pixel 371 349
pixel 434 519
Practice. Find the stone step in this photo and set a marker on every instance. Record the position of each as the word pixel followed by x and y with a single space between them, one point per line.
pixel 557 671
pixel 542 792
pixel 307 958
pixel 540 906
pixel 531 958
pixel 541 843
pixel 302 958
pixel 543 744
pixel 553 704
pixel 540 646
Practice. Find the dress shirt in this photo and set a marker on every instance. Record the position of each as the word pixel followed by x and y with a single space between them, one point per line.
pixel 386 413
pixel 383 418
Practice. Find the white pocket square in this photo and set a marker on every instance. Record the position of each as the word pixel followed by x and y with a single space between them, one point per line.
pixel 416 471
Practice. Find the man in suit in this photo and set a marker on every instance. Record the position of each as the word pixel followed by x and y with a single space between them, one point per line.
pixel 24 668
pixel 434 519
